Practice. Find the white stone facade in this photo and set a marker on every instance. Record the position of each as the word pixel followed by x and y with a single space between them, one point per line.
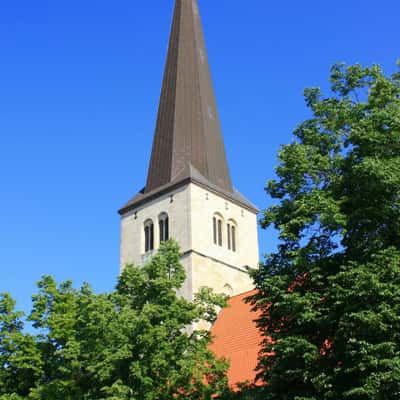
pixel 191 209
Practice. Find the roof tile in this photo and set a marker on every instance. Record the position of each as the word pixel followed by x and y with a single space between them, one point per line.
pixel 237 338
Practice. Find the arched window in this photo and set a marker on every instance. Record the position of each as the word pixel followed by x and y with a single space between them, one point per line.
pixel 148 236
pixel 233 230
pixel 231 235
pixel 163 223
pixel 217 229
pixel 228 289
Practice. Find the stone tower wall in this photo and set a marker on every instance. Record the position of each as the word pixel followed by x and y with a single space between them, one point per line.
pixel 191 209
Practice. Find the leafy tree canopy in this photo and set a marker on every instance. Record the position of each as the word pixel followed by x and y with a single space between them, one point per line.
pixel 330 295
pixel 133 343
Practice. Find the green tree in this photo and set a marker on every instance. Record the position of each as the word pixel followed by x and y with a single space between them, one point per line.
pixel 330 295
pixel 20 363
pixel 133 343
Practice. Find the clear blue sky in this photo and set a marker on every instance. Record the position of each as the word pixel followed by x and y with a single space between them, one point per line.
pixel 79 86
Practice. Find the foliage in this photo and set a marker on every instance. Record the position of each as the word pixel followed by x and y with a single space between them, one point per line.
pixel 245 392
pixel 133 343
pixel 330 295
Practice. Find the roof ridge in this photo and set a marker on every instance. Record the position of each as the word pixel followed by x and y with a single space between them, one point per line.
pixel 241 294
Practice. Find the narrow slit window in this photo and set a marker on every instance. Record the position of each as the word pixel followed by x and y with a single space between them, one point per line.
pixel 229 236
pixel 233 238
pixel 164 228
pixel 151 237
pixel 219 232
pixel 215 230
pixel 148 236
pixel 161 225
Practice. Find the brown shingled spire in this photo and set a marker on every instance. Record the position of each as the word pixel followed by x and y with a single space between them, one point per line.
pixel 188 134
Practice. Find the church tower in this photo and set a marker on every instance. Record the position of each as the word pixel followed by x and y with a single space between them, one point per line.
pixel 189 194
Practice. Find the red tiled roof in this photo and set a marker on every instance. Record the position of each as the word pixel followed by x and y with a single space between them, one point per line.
pixel 237 339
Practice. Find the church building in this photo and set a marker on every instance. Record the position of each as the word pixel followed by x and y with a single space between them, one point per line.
pixel 189 195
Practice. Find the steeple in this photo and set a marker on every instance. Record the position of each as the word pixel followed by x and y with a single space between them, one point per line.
pixel 188 133
pixel 188 146
pixel 189 194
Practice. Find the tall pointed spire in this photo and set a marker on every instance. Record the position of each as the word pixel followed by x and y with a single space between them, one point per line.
pixel 188 146
pixel 188 136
